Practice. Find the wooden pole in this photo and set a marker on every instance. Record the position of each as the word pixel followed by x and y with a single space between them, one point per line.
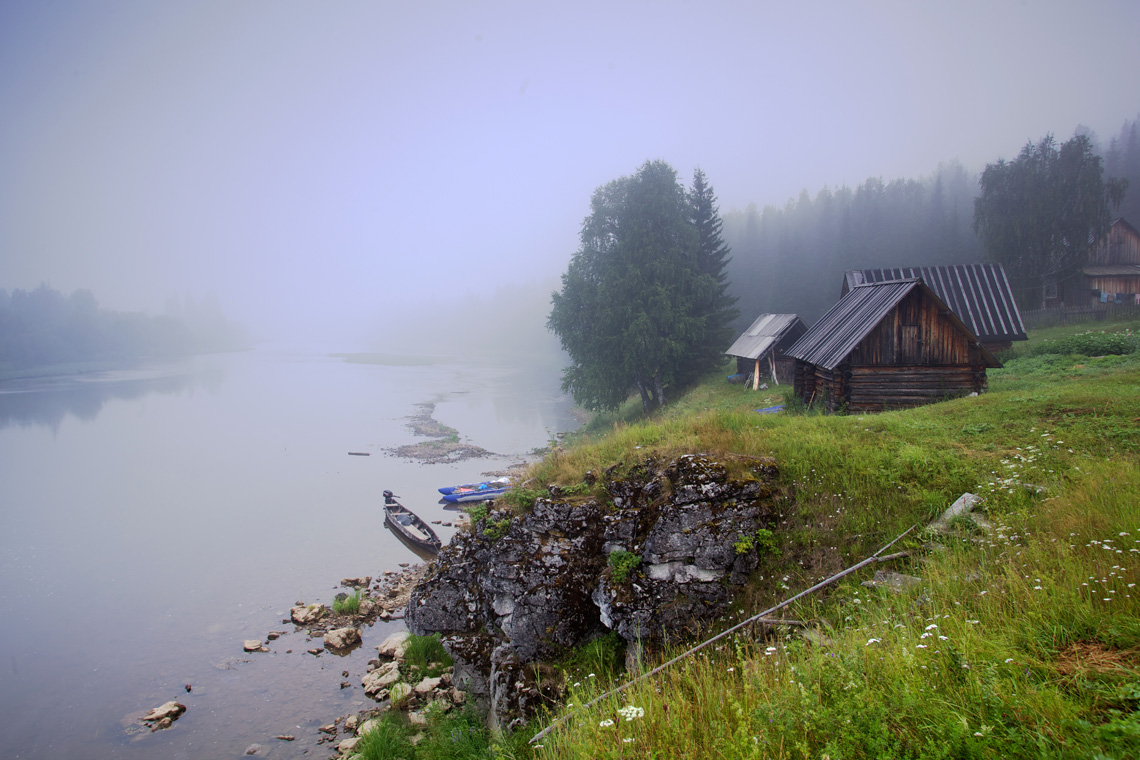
pixel 756 376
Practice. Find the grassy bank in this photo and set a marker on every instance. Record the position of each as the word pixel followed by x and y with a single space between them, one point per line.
pixel 1021 640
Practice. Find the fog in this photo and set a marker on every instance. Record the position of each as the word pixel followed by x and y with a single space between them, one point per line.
pixel 334 172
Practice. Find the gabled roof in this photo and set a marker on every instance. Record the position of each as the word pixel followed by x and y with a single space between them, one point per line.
pixel 859 312
pixel 979 294
pixel 764 334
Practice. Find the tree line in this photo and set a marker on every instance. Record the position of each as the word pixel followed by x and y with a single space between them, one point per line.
pixel 43 327
pixel 791 259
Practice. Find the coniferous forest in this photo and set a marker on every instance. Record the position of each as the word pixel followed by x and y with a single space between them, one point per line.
pixel 791 259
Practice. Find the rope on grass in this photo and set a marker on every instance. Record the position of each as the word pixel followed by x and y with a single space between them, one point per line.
pixel 754 619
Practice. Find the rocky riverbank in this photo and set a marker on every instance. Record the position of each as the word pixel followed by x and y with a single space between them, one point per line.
pixel 660 564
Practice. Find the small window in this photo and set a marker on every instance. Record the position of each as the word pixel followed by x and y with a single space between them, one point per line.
pixel 1051 290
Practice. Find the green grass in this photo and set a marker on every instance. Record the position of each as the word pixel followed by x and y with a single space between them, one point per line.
pixel 425 657
pixel 349 604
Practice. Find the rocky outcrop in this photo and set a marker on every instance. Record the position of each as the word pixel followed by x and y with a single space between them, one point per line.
pixel 517 590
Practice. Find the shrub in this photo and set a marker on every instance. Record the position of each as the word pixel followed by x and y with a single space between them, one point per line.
pixel 763 541
pixel 622 563
pixel 1092 343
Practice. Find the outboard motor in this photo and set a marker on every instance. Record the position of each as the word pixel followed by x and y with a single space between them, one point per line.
pixel 389 497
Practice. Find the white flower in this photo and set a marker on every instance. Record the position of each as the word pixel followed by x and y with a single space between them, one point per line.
pixel 920 646
pixel 932 626
pixel 1008 660
pixel 943 638
pixel 606 723
pixel 872 641
pixel 627 740
pixel 629 712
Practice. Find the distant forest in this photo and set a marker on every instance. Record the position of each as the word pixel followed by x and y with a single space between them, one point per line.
pixel 791 259
pixel 42 327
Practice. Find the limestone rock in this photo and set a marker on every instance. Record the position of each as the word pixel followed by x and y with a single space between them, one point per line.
pixel 505 599
pixel 342 638
pixel 394 645
pixel 399 693
pixel 361 582
pixel 381 678
pixel 169 711
pixel 252 645
pixel 302 615
pixel 426 686
pixel 348 746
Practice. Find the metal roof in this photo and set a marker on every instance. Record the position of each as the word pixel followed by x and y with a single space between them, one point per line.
pixel 1112 270
pixel 979 294
pixel 841 329
pixel 763 335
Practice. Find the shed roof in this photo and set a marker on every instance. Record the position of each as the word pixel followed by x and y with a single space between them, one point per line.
pixel 979 294
pixel 841 329
pixel 763 335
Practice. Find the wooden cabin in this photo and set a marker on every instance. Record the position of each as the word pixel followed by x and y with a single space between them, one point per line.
pixel 979 294
pixel 1113 273
pixel 759 350
pixel 888 345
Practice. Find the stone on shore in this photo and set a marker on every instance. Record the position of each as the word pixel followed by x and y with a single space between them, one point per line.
pixel 361 582
pixel 394 645
pixel 302 615
pixel 342 638
pixel 164 715
pixel 252 645
pixel 381 678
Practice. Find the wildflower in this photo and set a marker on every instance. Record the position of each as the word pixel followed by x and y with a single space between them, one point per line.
pixel 920 646
pixel 1008 660
pixel 972 622
pixel 730 670
pixel 627 740
pixel 629 712
pixel 590 676
pixel 1038 588
pixel 943 638
pixel 606 723
pixel 872 641
pixel 932 626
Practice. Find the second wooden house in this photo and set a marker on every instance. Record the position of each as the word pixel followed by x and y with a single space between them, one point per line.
pixel 888 345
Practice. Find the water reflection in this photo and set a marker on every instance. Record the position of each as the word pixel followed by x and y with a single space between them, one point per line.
pixel 47 402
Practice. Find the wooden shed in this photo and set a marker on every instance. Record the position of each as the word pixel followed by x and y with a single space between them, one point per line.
pixel 1113 273
pixel 888 345
pixel 979 294
pixel 759 350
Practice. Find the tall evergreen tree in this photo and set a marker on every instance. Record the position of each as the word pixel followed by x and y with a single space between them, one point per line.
pixel 712 304
pixel 640 294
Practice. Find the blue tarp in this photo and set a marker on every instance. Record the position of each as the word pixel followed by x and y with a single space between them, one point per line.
pixel 771 409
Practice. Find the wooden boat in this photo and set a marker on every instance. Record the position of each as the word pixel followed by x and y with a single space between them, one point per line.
pixel 407 524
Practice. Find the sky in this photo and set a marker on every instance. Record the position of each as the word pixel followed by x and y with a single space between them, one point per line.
pixel 324 167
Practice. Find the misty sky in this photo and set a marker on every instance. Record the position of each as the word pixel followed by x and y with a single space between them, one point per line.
pixel 317 165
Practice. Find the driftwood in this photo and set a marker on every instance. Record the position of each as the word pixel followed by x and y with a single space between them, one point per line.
pixel 759 618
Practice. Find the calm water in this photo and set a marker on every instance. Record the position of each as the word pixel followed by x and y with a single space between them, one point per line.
pixel 152 520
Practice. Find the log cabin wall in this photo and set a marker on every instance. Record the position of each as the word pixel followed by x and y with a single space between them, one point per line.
pixel 916 355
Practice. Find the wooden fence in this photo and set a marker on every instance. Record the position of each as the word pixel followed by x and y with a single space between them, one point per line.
pixel 1067 315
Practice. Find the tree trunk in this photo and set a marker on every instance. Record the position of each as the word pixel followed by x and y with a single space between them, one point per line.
pixel 646 401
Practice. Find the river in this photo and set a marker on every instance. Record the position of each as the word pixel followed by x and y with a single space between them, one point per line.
pixel 152 519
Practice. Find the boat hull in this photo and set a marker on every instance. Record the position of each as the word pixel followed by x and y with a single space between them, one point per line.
pixel 407 525
pixel 462 497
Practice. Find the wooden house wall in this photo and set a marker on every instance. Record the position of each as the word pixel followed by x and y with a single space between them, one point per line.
pixel 1123 247
pixel 915 356
pixel 915 332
